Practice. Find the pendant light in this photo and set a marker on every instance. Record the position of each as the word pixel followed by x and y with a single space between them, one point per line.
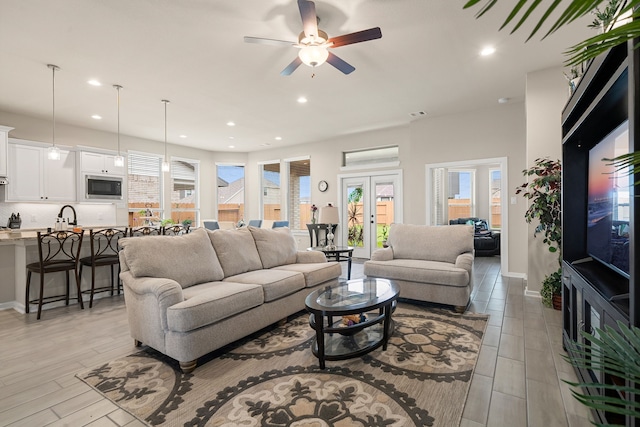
pixel 166 166
pixel 118 161
pixel 53 153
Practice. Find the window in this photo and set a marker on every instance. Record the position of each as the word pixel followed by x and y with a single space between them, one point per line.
pixel 495 219
pixel 230 192
pixel 373 156
pixel 144 186
pixel 299 194
pixel 270 185
pixel 185 205
pixel 461 194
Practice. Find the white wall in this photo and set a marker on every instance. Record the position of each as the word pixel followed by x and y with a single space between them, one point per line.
pixel 546 95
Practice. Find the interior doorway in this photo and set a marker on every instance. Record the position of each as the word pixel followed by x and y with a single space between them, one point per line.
pixel 472 188
pixel 369 203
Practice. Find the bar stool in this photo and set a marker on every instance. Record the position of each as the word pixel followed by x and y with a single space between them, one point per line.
pixel 104 252
pixel 57 251
pixel 176 230
pixel 145 231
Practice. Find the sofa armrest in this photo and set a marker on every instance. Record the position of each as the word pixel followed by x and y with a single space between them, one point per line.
pixel 151 295
pixel 465 261
pixel 309 257
pixel 384 254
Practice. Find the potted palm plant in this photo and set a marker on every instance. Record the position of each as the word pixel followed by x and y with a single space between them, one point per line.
pixel 544 194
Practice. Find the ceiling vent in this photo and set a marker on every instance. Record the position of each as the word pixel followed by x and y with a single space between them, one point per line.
pixel 418 114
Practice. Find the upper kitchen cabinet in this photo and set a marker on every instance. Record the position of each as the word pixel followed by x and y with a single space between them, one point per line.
pixel 4 149
pixel 33 177
pixel 99 163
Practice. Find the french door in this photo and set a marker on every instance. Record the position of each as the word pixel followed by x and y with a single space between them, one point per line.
pixel 368 206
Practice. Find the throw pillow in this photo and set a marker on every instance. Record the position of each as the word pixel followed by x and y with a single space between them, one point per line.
pixel 236 251
pixel 276 246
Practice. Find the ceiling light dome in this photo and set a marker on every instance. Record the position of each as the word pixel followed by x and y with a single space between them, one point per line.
pixel 313 55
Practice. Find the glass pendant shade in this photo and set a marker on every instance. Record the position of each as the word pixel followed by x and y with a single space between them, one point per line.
pixel 53 153
pixel 166 167
pixel 118 161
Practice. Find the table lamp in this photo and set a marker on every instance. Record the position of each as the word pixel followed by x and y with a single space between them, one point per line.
pixel 329 215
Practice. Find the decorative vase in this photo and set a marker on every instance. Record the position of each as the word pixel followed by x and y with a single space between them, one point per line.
pixel 556 301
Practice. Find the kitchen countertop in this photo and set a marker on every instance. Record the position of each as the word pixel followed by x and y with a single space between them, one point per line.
pixel 14 235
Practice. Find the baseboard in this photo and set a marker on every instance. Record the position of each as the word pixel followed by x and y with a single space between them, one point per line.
pixel 522 276
pixel 535 294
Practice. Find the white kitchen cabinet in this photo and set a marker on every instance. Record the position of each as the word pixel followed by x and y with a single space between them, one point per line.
pixel 99 163
pixel 33 177
pixel 4 149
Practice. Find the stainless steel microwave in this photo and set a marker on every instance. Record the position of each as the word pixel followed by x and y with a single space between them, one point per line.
pixel 103 187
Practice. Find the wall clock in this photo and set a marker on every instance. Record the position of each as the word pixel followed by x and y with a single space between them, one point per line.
pixel 323 186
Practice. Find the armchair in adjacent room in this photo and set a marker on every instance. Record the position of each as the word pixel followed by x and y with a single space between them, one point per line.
pixel 485 241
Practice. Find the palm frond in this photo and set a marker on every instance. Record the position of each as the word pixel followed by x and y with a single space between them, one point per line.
pixel 612 352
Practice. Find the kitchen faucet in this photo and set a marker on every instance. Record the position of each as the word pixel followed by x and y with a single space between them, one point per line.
pixel 75 219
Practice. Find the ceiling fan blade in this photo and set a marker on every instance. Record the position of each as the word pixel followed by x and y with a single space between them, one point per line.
pixel 260 40
pixel 357 37
pixel 291 67
pixel 309 17
pixel 340 64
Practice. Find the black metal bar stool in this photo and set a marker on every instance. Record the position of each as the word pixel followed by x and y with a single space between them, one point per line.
pixel 145 231
pixel 176 230
pixel 104 252
pixel 57 251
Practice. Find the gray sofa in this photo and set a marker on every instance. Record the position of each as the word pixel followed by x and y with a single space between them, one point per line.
pixel 429 263
pixel 189 295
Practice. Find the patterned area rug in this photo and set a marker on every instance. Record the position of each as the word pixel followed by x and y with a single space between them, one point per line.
pixel 272 378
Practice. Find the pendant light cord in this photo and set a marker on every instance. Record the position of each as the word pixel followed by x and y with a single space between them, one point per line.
pixel 54 68
pixel 118 87
pixel 165 130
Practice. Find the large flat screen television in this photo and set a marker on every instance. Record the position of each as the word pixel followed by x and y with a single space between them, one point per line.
pixel 608 202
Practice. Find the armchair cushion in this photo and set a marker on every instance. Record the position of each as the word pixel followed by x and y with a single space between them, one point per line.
pixel 412 270
pixel 155 256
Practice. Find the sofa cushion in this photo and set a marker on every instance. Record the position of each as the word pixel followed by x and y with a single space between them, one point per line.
pixel 276 246
pixel 427 272
pixel 275 283
pixel 315 273
pixel 156 256
pixel 209 303
pixel 236 251
pixel 430 243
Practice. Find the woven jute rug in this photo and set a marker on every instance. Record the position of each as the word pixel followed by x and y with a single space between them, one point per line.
pixel 272 378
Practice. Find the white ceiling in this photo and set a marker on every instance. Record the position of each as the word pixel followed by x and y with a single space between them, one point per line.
pixel 192 53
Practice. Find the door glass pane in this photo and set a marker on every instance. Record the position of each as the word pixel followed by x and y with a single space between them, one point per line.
pixel 460 197
pixel 230 193
pixel 384 211
pixel 495 220
pixel 355 210
pixel 271 209
pixel 299 194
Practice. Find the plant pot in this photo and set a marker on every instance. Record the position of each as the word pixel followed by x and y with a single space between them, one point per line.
pixel 556 302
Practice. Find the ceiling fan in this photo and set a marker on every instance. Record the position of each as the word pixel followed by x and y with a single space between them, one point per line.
pixel 314 43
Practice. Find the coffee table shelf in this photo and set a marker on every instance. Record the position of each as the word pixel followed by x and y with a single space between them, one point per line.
pixel 376 298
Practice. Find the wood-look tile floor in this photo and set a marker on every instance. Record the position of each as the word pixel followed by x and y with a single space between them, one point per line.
pixel 518 379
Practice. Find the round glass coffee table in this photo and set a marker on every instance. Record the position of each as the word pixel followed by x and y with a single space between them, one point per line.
pixel 367 302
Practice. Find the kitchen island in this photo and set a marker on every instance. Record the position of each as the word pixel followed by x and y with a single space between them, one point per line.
pixel 19 248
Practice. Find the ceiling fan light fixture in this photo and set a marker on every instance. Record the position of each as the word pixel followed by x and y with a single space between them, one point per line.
pixel 313 56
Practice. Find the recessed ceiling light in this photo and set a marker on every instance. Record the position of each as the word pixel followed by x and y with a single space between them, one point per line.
pixel 97 117
pixel 231 124
pixel 94 82
pixel 232 146
pixel 302 100
pixel 278 138
pixel 265 144
pixel 232 137
pixel 503 100
pixel 183 136
pixel 489 50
